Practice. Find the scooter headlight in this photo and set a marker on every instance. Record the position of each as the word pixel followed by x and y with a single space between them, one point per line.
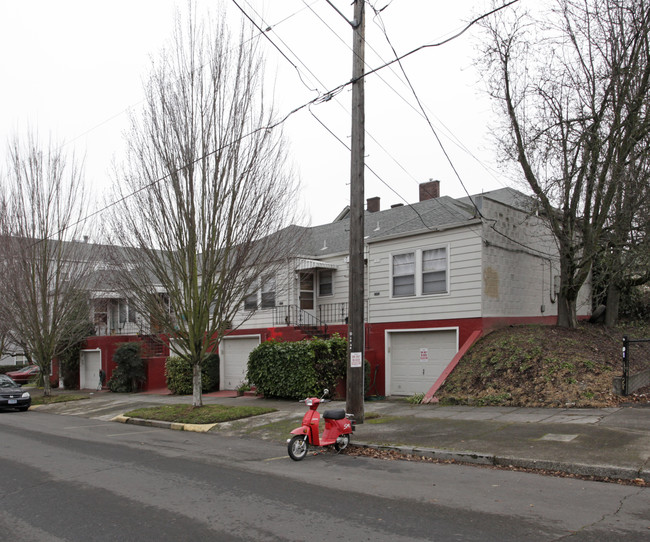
pixel 309 402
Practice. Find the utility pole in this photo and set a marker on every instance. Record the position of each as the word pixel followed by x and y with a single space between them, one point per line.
pixel 356 325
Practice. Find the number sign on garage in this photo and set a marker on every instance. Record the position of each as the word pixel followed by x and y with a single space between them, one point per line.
pixel 416 358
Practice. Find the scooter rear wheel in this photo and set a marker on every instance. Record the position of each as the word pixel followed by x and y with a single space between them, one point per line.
pixel 298 447
pixel 342 442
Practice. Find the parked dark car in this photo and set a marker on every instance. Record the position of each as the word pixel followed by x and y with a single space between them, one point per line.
pixel 12 395
pixel 24 375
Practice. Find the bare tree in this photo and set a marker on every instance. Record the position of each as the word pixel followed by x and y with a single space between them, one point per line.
pixel 43 297
pixel 203 191
pixel 624 262
pixel 572 82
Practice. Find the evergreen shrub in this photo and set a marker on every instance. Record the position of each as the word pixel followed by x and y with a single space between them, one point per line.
pixel 295 370
pixel 130 374
pixel 179 371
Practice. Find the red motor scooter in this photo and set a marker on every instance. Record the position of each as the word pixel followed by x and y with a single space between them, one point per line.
pixel 338 427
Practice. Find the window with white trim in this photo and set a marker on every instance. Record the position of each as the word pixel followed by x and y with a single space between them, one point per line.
pixel 325 282
pixel 268 292
pixel 420 272
pixel 404 274
pixel 250 300
pixel 126 312
pixel 434 271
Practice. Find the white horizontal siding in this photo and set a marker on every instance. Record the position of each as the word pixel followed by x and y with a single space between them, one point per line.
pixel 464 297
pixel 288 290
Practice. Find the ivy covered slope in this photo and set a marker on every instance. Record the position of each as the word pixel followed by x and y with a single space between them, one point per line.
pixel 542 366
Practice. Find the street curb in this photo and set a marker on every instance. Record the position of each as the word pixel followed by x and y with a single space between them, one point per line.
pixel 194 427
pixel 475 458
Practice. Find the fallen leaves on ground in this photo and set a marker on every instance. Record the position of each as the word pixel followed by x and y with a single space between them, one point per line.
pixel 395 455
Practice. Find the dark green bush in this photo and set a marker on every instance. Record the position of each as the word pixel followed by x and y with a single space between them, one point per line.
pixel 129 375
pixel 69 359
pixel 179 371
pixel 330 361
pixel 211 370
pixel 295 370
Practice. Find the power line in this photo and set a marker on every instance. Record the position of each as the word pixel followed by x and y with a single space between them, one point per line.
pixel 417 99
pixel 328 96
pixel 400 165
pixel 320 99
pixel 493 225
pixel 263 33
pixel 379 177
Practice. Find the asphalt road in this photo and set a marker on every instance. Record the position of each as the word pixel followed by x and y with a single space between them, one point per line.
pixel 78 479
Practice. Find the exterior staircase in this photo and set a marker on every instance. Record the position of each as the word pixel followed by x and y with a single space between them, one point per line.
pixel 308 324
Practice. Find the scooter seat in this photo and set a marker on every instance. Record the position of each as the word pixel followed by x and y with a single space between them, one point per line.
pixel 337 414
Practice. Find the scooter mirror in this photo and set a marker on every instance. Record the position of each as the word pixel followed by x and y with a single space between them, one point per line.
pixel 326 392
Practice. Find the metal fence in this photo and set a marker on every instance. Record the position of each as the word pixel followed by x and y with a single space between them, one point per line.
pixel 633 381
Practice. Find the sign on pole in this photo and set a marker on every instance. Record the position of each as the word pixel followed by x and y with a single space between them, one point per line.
pixel 356 359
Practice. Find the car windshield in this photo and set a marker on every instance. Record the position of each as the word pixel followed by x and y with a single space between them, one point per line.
pixel 6 382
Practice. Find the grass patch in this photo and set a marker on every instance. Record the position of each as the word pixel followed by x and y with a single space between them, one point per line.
pixel 64 398
pixel 204 414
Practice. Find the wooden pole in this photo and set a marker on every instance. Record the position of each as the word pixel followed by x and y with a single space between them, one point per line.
pixel 356 325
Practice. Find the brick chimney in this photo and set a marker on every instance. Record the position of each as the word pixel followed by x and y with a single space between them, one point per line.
pixel 430 190
pixel 372 204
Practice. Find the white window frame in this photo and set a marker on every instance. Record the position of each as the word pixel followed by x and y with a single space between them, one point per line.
pixel 253 292
pixel 419 271
pixel 414 274
pixel 331 283
pixel 125 309
pixel 446 271
pixel 263 283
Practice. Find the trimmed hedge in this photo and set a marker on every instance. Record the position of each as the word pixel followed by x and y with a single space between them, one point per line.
pixel 130 374
pixel 295 370
pixel 178 374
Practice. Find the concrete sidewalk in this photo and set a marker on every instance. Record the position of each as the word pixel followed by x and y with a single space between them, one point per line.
pixel 607 443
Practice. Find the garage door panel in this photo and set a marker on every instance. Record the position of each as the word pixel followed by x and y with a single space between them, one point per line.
pixel 90 363
pixel 234 357
pixel 418 358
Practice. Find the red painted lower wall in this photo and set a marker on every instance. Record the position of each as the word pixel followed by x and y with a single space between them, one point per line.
pixel 375 343
pixel 155 366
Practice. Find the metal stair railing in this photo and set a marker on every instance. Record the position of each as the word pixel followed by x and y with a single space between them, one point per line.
pixel 292 315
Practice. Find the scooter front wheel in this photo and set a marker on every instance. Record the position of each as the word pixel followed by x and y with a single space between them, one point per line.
pixel 342 442
pixel 298 447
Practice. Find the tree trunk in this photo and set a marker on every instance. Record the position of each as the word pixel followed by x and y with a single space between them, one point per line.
pixel 566 312
pixel 45 373
pixel 568 295
pixel 613 300
pixel 197 391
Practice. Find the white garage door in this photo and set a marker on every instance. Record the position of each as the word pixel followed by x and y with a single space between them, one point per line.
pixel 89 365
pixel 418 358
pixel 233 353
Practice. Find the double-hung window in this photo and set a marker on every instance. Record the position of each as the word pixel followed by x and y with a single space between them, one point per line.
pixel 421 272
pixel 325 283
pixel 268 292
pixel 434 271
pixel 126 312
pixel 250 300
pixel 404 274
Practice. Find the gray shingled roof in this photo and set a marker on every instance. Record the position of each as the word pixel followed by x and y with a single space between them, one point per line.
pixel 432 214
pixel 507 196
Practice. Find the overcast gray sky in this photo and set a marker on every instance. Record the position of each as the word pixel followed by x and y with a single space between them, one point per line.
pixel 74 69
